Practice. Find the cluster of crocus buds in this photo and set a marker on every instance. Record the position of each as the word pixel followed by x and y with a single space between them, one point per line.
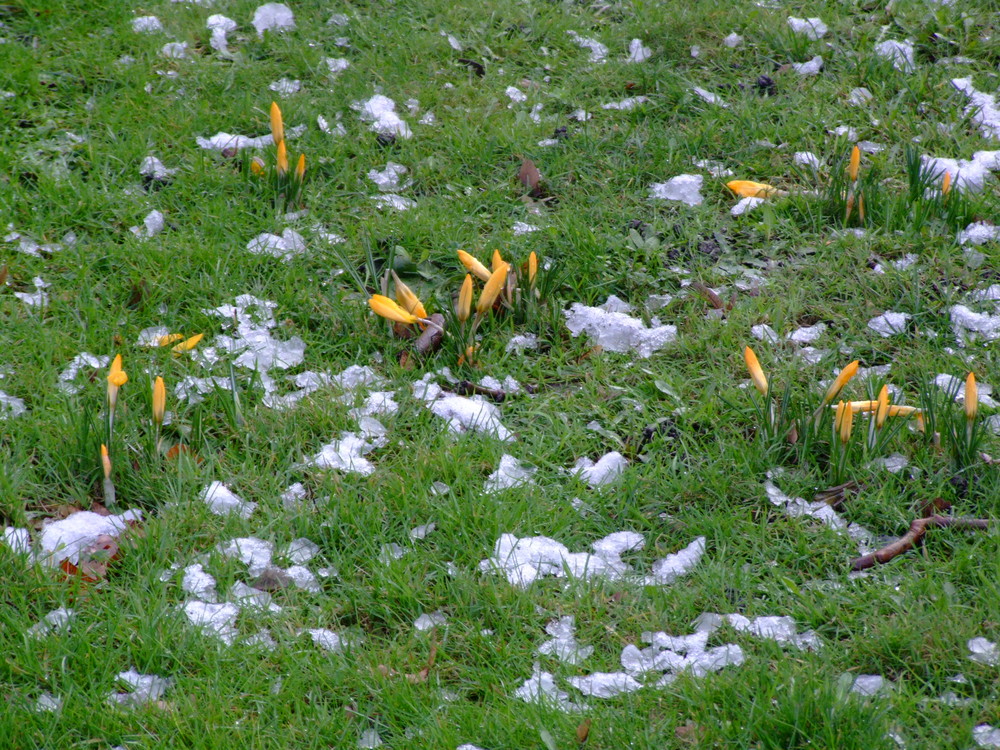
pixel 258 167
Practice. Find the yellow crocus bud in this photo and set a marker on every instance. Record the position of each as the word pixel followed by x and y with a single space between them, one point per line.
pixel 277 126
pixel 388 309
pixel 842 379
pixel 882 410
pixel 407 299
pixel 188 344
pixel 257 167
pixel 159 400
pixel 105 461
pixel 465 299
pixel 473 266
pixel 116 375
pixel 497 260
pixel 971 397
pixel 846 424
pixel 946 183
pixel 756 372
pixel 748 189
pixel 170 338
pixel 492 288
pixel 300 168
pixel 838 418
pixel 532 268
pixel 855 164
pixel 282 159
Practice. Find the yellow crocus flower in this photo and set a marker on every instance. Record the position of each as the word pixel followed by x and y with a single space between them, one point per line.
pixel 277 126
pixel 170 338
pixel 300 168
pixel 971 397
pixel 465 299
pixel 388 309
pixel 882 408
pixel 842 379
pixel 497 260
pixel 855 164
pixel 532 268
pixel 407 299
pixel 946 183
pixel 756 372
pixel 282 159
pixel 257 167
pixel 492 288
pixel 105 461
pixel 159 400
pixel 748 189
pixel 474 267
pixel 188 344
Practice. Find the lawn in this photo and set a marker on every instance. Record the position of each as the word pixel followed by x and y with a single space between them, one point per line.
pixel 584 515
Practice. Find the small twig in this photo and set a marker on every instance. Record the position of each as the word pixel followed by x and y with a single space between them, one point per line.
pixel 917 529
pixel 713 299
pixel 467 387
pixel 430 339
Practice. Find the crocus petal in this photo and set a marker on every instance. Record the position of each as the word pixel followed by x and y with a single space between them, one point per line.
pixel 277 126
pixel 756 372
pixel 407 299
pixel 473 266
pixel 748 189
pixel 188 344
pixel 388 309
pixel 842 379
pixel 971 397
pixel 465 299
pixel 159 400
pixel 492 288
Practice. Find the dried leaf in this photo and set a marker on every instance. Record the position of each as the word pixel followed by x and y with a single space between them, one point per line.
pixel 583 731
pixel 531 178
pixel 272 579
pixel 179 449
pixel 3 274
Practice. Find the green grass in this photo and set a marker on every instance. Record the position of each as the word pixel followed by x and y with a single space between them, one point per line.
pixel 702 474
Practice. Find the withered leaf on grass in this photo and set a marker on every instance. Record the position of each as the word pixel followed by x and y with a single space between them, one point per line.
pixel 583 731
pixel 531 178
pixel 93 562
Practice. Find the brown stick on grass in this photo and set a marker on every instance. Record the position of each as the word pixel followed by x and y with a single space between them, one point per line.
pixel 917 529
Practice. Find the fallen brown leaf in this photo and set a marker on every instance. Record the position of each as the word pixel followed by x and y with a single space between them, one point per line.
pixel 531 178
pixel 583 731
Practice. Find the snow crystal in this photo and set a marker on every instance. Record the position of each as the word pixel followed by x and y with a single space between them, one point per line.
pixel 515 95
pixel 889 323
pixel 563 644
pixel 617 332
pixel 215 619
pixel 982 108
pixel 900 53
pixel 807 159
pixel 19 540
pixel 810 68
pixel 198 583
pixel 389 180
pixel 426 622
pixel 979 233
pixel 301 550
pixel 626 104
pixel 859 97
pixel 347 453
pixel 521 227
pixel 273 16
pixel 638 52
pixel 509 474
pixel 222 502
pixel 807 334
pixel 780 629
pixel 285 247
pixel 812 28
pixel 598 52
pixel 154 169
pixel 336 64
pixel 255 553
pixel 11 406
pixel 58 619
pixel 175 50
pixel 285 86
pixel 66 539
pixel 745 205
pixel 37 298
pixel 146 688
pixel 986 736
pixel 869 684
pixel 709 97
pixel 606 470
pixel 220 26
pixel 520 342
pixel 684 188
pixel 146 25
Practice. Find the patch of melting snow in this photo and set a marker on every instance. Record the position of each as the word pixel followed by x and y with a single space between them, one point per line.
pixel 463 414
pixel 520 228
pixel 607 469
pixel 812 28
pixel 899 53
pixel 391 200
pixel 598 52
pixel 390 552
pixel 255 553
pixel 515 95
pixel 859 97
pixel 67 538
pixel 541 688
pixel 717 169
pixel 220 26
pixel 893 463
pixel 518 343
pixel 986 736
pixel 420 532
pixel 982 108
pixel 870 685
pixel 337 129
pixel 11 406
pixel 626 104
pixel 146 25
pixel 526 559
pixel 563 644
pixel 48 702
pixel 807 334
pixel 797 507
pixel 966 174
pixel 389 180
pixel 347 454
pixel 510 473
pixel 783 630
pixel 369 739
pixel 638 52
pixel 889 323
pixel 58 620
pixel 709 97
pixel 605 684
pixel 764 332
pixel 733 41
pixel 37 298
pixel 746 205
pixel 19 540
pixel 273 17
pixel 968 325
pixel 175 51
pixel 617 332
pixel 285 247
pixel 979 233
pixel 684 188
pixel 154 169
pixel 810 68
pixel 380 111
pixel 956 387
pixel 807 159
pixel 83 360
pixel 223 141
pixel 983 651
pixel 198 583
pixel 145 689
pixel 285 86
pixel 222 502
pixel 30 247
pixel 336 65
pixel 426 622
pixel 218 620
pixel 152 225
